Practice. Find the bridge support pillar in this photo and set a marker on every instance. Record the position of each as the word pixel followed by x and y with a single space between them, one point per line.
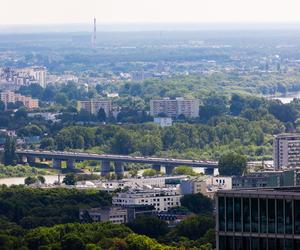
pixel 70 164
pixel 31 160
pixel 105 168
pixel 156 167
pixel 209 171
pixel 169 169
pixel 119 169
pixel 56 163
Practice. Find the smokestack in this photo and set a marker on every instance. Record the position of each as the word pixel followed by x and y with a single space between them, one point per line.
pixel 94 38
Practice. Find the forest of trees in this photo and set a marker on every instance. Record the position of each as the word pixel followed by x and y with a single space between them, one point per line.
pixel 32 218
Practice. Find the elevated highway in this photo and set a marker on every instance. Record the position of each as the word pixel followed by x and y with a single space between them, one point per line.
pixel 70 157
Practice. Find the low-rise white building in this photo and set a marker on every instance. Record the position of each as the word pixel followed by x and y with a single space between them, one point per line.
pixel 163 121
pixel 161 198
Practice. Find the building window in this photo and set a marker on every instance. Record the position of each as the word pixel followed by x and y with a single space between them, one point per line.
pixel 229 214
pixel 271 216
pixel 238 214
pixel 263 215
pixel 254 243
pixel 246 215
pixel 297 216
pixel 222 213
pixel 254 215
pixel 238 243
pixel 280 216
pixel 288 217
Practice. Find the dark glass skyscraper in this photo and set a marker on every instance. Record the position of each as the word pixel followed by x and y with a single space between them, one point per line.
pixel 259 219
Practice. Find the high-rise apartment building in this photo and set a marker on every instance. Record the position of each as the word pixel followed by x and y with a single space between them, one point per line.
pixel 12 97
pixel 286 150
pixel 94 105
pixel 266 218
pixel 175 107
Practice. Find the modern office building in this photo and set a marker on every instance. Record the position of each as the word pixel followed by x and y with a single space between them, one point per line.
pixel 286 150
pixel 116 215
pixel 12 97
pixel 175 107
pixel 161 198
pixel 263 218
pixel 94 105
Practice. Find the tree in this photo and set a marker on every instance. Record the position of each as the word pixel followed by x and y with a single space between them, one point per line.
pixel 194 227
pixel 183 170
pixel 47 143
pixel 41 179
pixel 197 203
pixel 101 115
pixel 61 98
pixel 72 241
pixel 150 173
pixel 149 225
pixel 70 179
pixel 123 143
pixel 232 164
pixel 10 156
pixel 30 180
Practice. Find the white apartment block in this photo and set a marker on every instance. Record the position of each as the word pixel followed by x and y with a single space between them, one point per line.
pixel 286 150
pixel 175 107
pixel 35 74
pixel 161 198
pixel 94 105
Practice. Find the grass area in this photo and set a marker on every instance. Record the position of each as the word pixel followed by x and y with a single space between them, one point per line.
pixel 23 171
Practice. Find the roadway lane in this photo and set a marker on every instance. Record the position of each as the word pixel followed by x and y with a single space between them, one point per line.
pixel 115 158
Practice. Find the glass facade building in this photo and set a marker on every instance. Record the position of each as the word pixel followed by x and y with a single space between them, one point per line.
pixel 258 219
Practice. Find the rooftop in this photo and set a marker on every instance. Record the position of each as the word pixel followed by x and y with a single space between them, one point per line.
pixel 276 191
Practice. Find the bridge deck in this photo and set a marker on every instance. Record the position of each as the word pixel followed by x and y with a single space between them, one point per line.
pixel 115 158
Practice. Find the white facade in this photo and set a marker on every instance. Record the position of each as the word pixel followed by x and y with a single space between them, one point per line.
pixel 161 199
pixel 174 108
pixel 94 105
pixel 163 121
pixel 286 150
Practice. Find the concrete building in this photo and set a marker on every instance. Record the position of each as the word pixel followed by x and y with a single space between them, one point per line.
pixel 48 116
pixel 264 218
pixel 33 74
pixel 193 185
pixel 94 105
pixel 12 97
pixel 161 198
pixel 163 121
pixel 175 107
pixel 286 150
pixel 115 215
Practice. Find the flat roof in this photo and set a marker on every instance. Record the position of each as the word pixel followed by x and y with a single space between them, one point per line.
pixel 280 191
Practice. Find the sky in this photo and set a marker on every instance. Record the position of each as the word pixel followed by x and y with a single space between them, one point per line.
pixel 38 12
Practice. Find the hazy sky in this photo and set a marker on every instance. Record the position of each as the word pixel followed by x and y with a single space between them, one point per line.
pixel 116 11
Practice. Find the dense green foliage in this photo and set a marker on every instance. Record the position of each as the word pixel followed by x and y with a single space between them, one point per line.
pixel 42 207
pixel 150 226
pixel 197 203
pixel 22 171
pixel 24 210
pixel 232 164
pixel 10 157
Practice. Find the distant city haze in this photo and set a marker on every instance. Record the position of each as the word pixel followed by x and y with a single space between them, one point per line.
pixel 37 12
